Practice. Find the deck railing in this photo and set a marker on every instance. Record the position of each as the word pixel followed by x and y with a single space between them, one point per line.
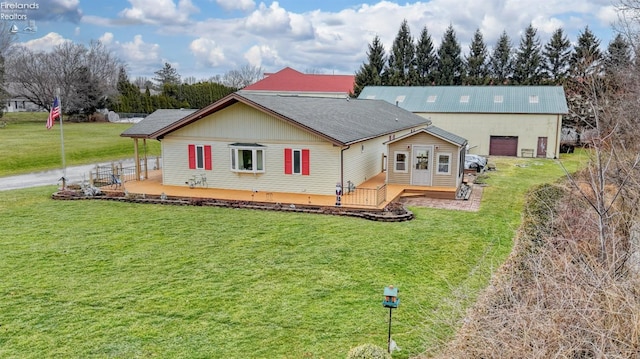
pixel 366 197
pixel 107 175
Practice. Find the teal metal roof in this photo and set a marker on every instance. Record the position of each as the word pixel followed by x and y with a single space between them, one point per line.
pixel 472 99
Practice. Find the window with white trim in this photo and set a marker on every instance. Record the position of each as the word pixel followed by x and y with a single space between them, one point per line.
pixel 247 158
pixel 400 161
pixel 444 163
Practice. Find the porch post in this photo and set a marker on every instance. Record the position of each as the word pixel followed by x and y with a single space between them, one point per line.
pixel 146 166
pixel 137 158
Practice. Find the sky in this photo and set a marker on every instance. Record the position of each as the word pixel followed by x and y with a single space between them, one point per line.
pixel 205 38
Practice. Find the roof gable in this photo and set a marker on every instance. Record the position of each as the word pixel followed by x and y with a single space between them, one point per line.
pixel 436 132
pixel 290 80
pixel 473 99
pixel 339 121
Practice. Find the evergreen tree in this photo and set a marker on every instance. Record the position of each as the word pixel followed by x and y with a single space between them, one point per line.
pixel 167 75
pixel 401 65
pixel 370 73
pixel 618 56
pixel 450 65
pixel 476 62
pixel 528 64
pixel 586 58
pixel 556 54
pixel 426 60
pixel 501 61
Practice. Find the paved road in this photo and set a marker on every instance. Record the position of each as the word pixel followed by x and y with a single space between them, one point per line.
pixel 75 174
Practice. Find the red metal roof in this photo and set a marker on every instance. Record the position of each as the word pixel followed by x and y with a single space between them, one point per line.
pixel 290 80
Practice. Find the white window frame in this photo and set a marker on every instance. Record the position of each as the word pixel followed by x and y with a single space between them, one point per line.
pixel 258 155
pixel 296 161
pixel 199 157
pixel 449 156
pixel 405 162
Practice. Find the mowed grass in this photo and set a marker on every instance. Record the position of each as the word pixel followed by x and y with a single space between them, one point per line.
pixel 27 146
pixel 97 279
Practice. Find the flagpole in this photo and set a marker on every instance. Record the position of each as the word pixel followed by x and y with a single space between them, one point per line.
pixel 64 166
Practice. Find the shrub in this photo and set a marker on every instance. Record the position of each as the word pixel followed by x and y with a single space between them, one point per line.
pixel 368 351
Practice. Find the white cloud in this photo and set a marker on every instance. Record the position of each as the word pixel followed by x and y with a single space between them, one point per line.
pixel 140 51
pixel 140 57
pixel 207 52
pixel 262 55
pixel 269 19
pixel 244 5
pixel 45 43
pixel 271 36
pixel 159 12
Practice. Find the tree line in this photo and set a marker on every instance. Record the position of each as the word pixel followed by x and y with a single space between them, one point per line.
pixel 89 78
pixel 418 63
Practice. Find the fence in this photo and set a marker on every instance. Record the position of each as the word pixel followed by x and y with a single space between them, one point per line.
pixel 367 197
pixel 117 173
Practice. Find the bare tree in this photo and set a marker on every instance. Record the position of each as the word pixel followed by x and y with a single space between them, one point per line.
pixel 73 68
pixel 6 43
pixel 243 77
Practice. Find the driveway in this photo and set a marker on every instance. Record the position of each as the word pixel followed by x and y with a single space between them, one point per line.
pixel 74 174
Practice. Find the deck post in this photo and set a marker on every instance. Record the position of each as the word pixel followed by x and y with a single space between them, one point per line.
pixel 137 156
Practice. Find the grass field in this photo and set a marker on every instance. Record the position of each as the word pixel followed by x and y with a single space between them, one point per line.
pixel 107 279
pixel 27 146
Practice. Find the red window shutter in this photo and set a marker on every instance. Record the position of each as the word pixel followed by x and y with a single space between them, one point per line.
pixel 288 161
pixel 305 162
pixel 207 158
pixel 192 157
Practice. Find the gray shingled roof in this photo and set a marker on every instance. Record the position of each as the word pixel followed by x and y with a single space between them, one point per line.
pixel 346 121
pixel 156 121
pixel 341 121
pixel 446 135
pixel 473 99
pixel 437 132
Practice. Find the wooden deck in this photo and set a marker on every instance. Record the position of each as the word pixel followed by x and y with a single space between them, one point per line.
pixel 359 199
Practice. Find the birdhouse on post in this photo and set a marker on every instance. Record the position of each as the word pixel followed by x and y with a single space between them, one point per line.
pixel 391 299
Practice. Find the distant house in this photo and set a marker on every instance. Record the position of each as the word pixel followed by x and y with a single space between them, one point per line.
pixel 291 82
pixel 496 120
pixel 299 144
pixel 17 103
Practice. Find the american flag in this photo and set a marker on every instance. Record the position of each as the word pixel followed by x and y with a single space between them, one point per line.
pixel 54 113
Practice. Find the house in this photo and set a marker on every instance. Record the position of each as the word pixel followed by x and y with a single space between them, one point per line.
pixel 18 103
pixel 293 144
pixel 291 82
pixel 496 120
pixel 429 156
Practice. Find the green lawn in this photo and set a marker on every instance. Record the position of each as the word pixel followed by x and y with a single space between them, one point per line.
pixel 108 279
pixel 27 146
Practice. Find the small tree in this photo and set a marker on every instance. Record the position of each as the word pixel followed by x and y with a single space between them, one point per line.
pixel 527 70
pixel 426 60
pixel 450 65
pixel 556 54
pixel 168 75
pixel 476 61
pixel 501 61
pixel 370 73
pixel 242 77
pixel 401 64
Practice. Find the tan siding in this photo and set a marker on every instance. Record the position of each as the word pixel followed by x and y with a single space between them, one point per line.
pixel 244 124
pixel 324 168
pixel 439 146
pixel 478 129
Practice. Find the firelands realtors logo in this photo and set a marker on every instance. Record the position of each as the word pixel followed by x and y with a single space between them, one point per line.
pixel 17 12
